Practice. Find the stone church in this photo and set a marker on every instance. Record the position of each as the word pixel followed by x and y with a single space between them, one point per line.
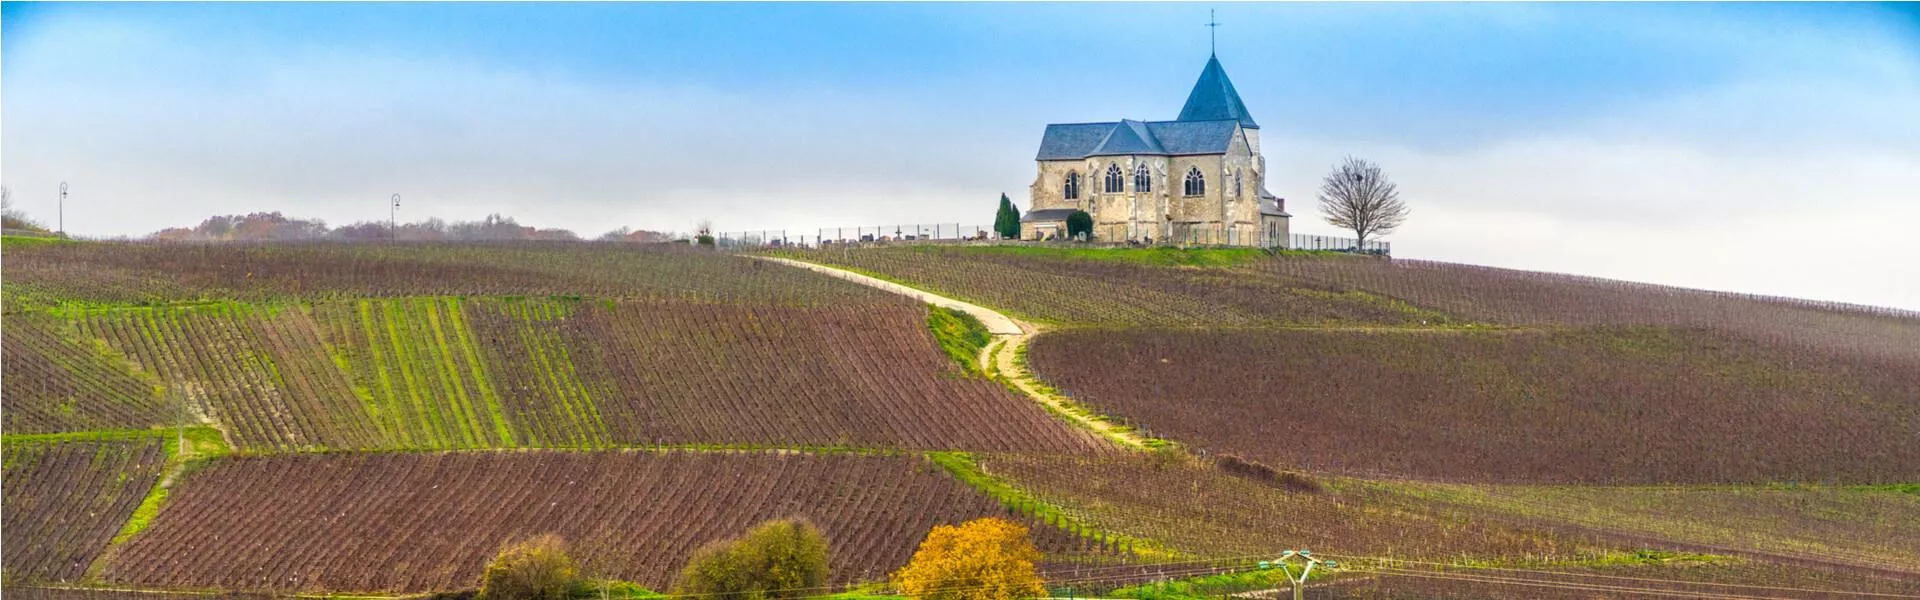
pixel 1198 179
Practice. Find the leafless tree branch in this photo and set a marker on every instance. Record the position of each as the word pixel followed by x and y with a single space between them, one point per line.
pixel 1358 197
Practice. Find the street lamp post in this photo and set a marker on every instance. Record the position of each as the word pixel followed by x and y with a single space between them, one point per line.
pixel 63 207
pixel 393 218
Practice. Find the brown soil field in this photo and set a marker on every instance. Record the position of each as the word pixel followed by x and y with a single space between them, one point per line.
pixel 409 522
pixel 145 273
pixel 1875 528
pixel 1061 287
pixel 1516 297
pixel 1198 509
pixel 1755 580
pixel 65 500
pixel 1605 405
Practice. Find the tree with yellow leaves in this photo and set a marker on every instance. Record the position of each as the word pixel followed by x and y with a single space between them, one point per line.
pixel 982 559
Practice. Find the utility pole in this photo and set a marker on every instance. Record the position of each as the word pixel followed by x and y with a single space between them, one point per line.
pixel 393 219
pixel 63 207
pixel 1299 582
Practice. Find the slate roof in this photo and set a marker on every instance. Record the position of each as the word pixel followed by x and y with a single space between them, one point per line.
pixel 1270 205
pixel 1165 138
pixel 1205 126
pixel 1047 214
pixel 1214 99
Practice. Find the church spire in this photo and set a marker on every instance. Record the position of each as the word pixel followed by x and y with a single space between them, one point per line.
pixel 1214 99
pixel 1211 27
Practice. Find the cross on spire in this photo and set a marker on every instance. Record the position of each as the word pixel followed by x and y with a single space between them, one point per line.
pixel 1210 29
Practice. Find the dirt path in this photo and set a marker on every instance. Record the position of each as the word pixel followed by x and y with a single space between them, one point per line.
pixel 1001 357
pixel 997 324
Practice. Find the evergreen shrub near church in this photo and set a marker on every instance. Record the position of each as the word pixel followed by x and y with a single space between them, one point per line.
pixel 1080 223
pixel 1007 221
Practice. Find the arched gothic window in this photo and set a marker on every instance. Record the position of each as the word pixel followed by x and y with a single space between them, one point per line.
pixel 1196 183
pixel 1142 179
pixel 1115 182
pixel 1072 190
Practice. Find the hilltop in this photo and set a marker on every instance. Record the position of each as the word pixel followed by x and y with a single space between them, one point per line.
pixel 1367 407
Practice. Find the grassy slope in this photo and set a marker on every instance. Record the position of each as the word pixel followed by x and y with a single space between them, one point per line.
pixel 961 336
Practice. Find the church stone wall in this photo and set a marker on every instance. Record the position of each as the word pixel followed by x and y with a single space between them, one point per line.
pixel 1223 214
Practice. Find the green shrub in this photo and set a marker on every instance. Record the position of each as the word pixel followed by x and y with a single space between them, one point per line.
pixel 533 569
pixel 1078 223
pixel 1006 221
pixel 780 559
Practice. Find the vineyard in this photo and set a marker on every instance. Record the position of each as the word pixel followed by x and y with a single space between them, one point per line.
pixel 1745 581
pixel 1875 528
pixel 1530 298
pixel 402 410
pixel 55 382
pixel 64 593
pixel 448 373
pixel 1607 405
pixel 1239 288
pixel 418 522
pixel 1067 288
pixel 65 500
pixel 120 274
pixel 1199 509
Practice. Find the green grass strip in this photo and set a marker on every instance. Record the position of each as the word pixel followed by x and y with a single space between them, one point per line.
pixel 454 396
pixel 463 337
pixel 961 336
pixel 202 444
pixel 336 350
pixel 963 467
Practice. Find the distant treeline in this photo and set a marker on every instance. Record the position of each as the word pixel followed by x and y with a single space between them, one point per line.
pixel 273 226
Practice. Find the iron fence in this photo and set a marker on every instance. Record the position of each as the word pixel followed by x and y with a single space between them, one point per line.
pixel 957 233
pixel 859 234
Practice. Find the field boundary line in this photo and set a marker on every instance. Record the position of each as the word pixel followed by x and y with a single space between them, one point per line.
pixel 1003 358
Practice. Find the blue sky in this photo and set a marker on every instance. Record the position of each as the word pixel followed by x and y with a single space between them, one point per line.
pixel 1749 147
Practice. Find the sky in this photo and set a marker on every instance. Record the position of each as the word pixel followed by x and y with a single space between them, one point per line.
pixel 1760 148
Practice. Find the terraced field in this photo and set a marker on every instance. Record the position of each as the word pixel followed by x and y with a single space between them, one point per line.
pixel 451 373
pixel 64 501
pixel 415 522
pixel 59 382
pixel 1611 406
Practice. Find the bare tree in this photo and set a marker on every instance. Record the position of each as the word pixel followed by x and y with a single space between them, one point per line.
pixel 1356 196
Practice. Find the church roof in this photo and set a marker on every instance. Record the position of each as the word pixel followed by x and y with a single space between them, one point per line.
pixel 1081 140
pixel 1214 99
pixel 1047 214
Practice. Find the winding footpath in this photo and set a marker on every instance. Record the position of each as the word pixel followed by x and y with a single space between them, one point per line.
pixel 1001 356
